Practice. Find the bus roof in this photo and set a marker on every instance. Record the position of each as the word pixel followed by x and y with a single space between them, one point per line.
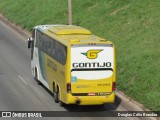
pixel 70 34
pixel 69 30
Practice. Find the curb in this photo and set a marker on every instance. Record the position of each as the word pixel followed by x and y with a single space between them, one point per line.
pixel 15 27
pixel 138 106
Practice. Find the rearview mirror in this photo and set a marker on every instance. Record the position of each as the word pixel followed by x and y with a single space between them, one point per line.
pixel 30 41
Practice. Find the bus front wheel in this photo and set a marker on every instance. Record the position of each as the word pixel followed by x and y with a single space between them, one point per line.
pixel 36 77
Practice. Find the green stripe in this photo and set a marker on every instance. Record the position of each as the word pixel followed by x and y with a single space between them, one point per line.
pixel 42 64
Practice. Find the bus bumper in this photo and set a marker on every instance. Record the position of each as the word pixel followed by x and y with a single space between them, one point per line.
pixel 91 100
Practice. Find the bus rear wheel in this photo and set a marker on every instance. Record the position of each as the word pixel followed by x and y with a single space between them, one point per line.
pixel 56 97
pixel 61 104
pixel 59 101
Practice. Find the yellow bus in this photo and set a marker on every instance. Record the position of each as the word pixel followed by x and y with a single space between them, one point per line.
pixel 77 66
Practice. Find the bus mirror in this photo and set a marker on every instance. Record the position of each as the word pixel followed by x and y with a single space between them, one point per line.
pixel 30 40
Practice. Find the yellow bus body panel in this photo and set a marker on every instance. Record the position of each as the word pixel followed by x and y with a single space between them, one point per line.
pixel 60 75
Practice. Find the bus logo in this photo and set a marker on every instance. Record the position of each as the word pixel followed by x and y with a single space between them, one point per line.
pixel 92 54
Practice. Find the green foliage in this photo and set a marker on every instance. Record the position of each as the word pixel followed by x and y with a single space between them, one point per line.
pixel 133 25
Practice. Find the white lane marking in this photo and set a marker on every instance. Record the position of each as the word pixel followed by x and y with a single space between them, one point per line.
pixel 22 79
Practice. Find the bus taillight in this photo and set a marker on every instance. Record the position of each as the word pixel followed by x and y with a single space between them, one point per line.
pixel 113 86
pixel 68 87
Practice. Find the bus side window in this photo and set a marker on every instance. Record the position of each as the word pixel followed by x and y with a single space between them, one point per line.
pixel 48 45
pixel 40 42
pixel 53 52
pixel 64 54
pixel 60 53
pixel 37 39
pixel 57 51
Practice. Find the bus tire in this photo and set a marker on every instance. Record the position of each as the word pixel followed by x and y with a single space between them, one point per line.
pixel 61 103
pixel 56 97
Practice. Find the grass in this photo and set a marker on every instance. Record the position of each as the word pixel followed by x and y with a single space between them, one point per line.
pixel 133 25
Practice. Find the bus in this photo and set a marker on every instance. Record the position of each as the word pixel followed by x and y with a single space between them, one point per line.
pixel 77 66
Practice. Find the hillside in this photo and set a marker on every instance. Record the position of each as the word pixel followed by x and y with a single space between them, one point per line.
pixel 132 25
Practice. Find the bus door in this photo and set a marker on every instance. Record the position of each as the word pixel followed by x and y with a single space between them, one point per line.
pixel 92 69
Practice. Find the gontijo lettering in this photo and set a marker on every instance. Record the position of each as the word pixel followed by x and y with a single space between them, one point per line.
pixel 92 65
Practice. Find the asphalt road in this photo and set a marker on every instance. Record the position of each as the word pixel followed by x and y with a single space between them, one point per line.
pixel 20 92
